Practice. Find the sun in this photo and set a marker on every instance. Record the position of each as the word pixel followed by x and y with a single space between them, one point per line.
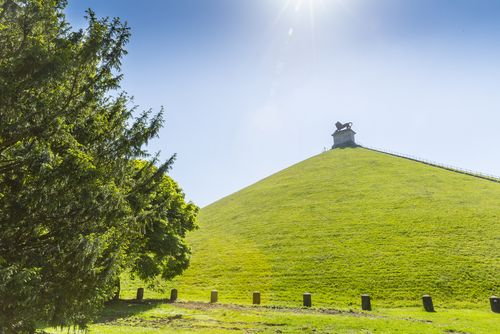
pixel 299 4
pixel 305 10
pixel 305 6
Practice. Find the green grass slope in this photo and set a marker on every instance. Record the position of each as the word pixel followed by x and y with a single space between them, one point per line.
pixel 347 222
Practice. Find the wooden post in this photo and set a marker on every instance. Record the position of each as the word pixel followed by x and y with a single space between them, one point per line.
pixel 366 304
pixel 256 298
pixel 173 295
pixel 140 294
pixel 214 296
pixel 427 301
pixel 307 299
pixel 495 304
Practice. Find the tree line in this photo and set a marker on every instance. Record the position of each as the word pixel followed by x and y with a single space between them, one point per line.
pixel 81 199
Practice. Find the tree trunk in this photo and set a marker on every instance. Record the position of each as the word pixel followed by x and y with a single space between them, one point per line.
pixel 116 297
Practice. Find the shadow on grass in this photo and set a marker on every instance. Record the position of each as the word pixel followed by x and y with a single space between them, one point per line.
pixel 124 308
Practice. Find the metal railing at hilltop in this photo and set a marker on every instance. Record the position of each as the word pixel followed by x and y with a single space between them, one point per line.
pixel 484 176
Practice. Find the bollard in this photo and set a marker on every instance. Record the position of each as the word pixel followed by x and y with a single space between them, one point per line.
pixel 427 301
pixel 256 298
pixel 173 295
pixel 214 296
pixel 366 304
pixel 495 304
pixel 140 294
pixel 307 299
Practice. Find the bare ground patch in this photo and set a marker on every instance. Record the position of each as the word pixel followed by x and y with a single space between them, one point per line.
pixel 302 310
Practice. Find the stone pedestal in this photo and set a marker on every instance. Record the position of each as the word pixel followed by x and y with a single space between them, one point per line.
pixel 256 298
pixel 140 294
pixel 427 302
pixel 495 304
pixel 173 295
pixel 366 304
pixel 343 138
pixel 214 296
pixel 307 299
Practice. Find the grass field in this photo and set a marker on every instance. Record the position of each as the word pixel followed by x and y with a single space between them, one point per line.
pixel 160 317
pixel 347 222
pixel 343 223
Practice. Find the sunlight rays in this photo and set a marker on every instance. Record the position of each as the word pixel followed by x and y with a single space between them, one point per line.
pixel 300 13
pixel 295 30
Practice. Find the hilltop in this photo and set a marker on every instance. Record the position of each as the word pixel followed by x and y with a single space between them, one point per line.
pixel 346 222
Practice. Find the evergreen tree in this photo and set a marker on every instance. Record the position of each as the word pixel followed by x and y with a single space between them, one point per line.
pixel 80 198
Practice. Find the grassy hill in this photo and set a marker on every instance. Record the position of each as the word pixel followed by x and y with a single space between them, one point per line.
pixel 346 222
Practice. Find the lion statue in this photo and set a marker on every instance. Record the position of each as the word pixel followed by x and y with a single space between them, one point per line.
pixel 341 126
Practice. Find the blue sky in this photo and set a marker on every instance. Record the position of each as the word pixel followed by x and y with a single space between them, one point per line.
pixel 253 86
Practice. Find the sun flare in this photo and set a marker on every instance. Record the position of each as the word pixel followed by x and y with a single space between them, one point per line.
pixel 302 10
